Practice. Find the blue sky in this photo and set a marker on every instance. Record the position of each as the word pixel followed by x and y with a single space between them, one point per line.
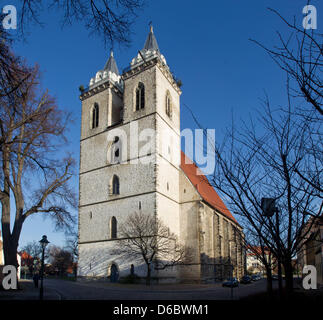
pixel 206 43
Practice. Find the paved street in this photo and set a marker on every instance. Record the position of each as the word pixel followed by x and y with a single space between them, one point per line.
pixel 68 290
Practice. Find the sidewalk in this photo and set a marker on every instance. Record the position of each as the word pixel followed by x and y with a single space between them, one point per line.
pixel 27 291
pixel 152 287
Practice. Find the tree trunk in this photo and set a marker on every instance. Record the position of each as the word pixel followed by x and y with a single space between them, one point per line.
pixel 10 252
pixel 269 282
pixel 289 277
pixel 10 244
pixel 280 278
pixel 280 281
pixel 10 240
pixel 148 275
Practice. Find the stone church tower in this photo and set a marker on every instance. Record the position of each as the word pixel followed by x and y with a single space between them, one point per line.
pixel 130 161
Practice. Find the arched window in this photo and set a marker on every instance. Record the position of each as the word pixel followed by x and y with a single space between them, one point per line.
pixel 114 272
pixel 168 104
pixel 95 116
pixel 140 96
pixel 116 150
pixel 113 228
pixel 115 185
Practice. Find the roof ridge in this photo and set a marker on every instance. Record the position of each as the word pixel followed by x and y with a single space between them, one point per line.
pixel 203 186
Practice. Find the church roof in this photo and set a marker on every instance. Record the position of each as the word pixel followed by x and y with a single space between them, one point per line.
pixel 151 42
pixel 203 186
pixel 111 65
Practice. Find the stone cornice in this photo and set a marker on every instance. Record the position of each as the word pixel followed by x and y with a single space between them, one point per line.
pixel 147 65
pixel 99 88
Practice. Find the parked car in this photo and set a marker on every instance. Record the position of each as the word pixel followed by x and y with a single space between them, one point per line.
pixel 275 277
pixel 245 279
pixel 230 282
pixel 255 277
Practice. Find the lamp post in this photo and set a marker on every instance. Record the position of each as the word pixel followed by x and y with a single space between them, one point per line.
pixel 43 242
pixel 269 209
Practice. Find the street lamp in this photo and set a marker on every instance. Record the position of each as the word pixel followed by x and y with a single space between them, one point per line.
pixel 43 242
pixel 268 206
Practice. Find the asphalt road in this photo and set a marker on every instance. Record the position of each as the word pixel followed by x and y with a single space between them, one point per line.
pixel 69 290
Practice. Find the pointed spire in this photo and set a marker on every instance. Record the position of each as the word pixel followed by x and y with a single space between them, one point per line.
pixel 111 64
pixel 151 42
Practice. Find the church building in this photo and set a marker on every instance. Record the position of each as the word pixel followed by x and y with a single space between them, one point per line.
pixel 120 175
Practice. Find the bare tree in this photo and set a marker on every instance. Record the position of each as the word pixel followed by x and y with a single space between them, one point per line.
pixel 34 254
pixel 72 244
pixel 110 19
pixel 255 245
pixel 33 248
pixel 301 57
pixel 32 131
pixel 11 75
pixel 72 247
pixel 262 159
pixel 147 239
pixel 261 162
pixel 60 259
pixel 31 124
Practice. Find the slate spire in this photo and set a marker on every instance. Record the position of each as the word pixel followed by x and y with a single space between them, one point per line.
pixel 151 42
pixel 111 65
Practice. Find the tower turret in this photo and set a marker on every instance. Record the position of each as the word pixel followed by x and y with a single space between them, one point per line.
pixel 109 72
pixel 111 65
pixel 149 51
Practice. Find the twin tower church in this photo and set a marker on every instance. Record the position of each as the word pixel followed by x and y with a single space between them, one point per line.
pixel 119 175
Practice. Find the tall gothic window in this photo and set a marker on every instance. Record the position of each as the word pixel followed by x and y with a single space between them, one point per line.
pixel 115 185
pixel 168 105
pixel 113 228
pixel 95 116
pixel 220 248
pixel 140 96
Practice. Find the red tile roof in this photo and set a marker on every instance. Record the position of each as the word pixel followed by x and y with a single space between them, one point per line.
pixel 256 250
pixel 203 186
pixel 25 255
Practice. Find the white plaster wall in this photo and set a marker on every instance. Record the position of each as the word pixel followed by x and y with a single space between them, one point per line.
pixel 168 142
pixel 134 179
pixel 168 211
pixel 98 227
pixel 94 151
pixel 162 85
pixel 148 78
pixel 97 258
pixel 102 98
